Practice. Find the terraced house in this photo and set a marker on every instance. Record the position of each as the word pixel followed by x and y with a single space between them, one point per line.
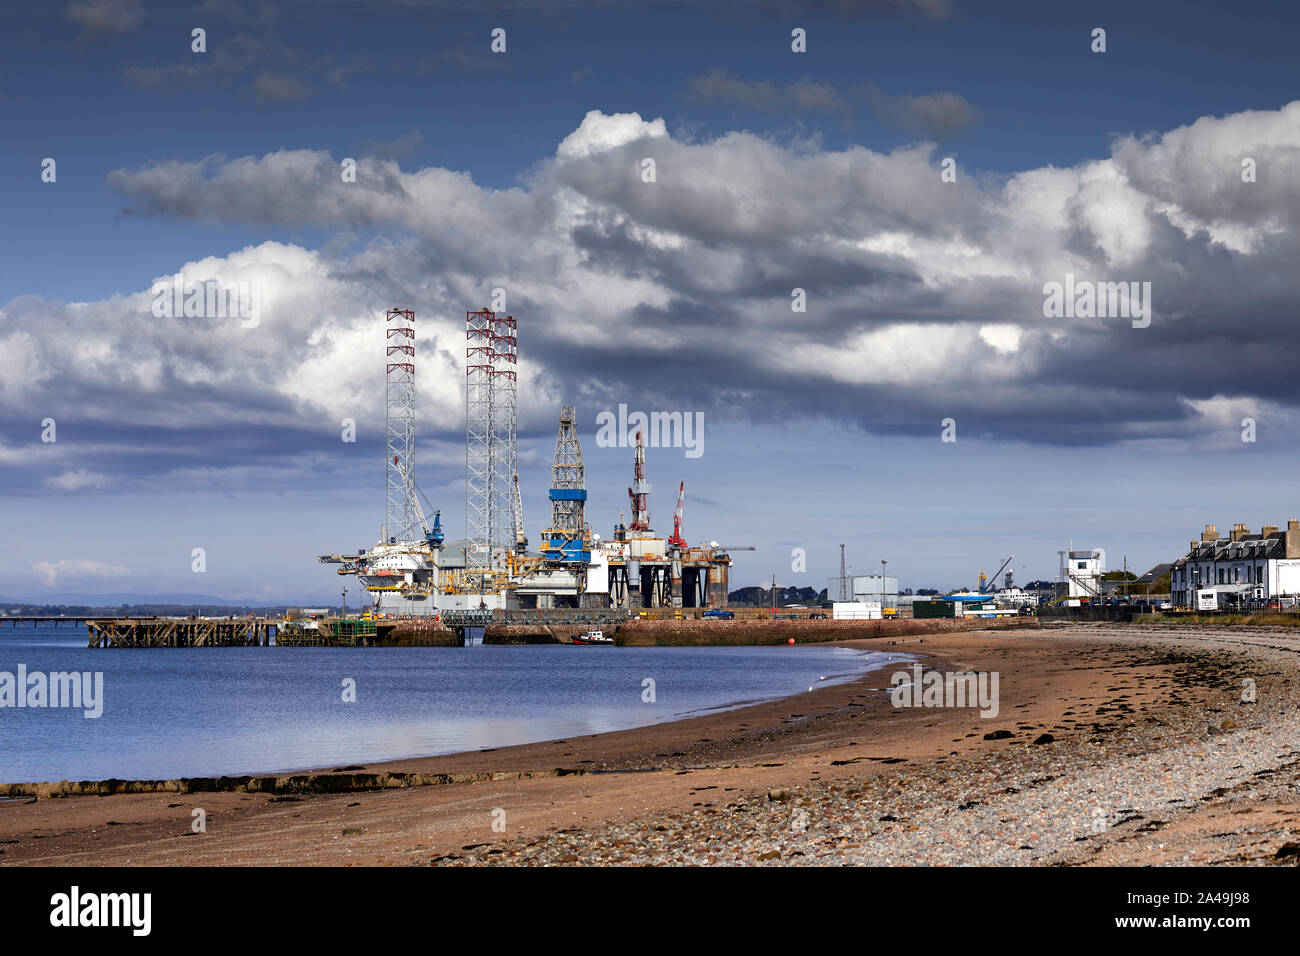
pixel 1243 568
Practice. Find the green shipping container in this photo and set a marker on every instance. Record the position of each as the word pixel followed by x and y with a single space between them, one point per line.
pixel 934 609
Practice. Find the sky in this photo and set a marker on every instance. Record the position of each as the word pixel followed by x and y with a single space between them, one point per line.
pixel 923 171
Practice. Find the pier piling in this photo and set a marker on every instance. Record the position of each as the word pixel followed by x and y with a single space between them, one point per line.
pixel 181 632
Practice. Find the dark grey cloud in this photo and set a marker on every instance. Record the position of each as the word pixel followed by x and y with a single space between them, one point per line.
pixel 931 9
pixel 253 61
pixel 396 148
pixel 934 9
pixel 934 116
pixel 801 96
pixel 278 88
pixel 104 18
pixel 924 298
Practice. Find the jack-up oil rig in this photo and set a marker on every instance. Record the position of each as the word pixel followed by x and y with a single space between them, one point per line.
pixel 411 570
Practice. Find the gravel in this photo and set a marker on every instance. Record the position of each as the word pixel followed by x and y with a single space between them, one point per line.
pixel 1062 801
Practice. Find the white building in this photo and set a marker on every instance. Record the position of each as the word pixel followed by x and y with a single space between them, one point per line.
pixel 868 588
pixel 1241 568
pixel 865 588
pixel 1083 571
pixel 856 611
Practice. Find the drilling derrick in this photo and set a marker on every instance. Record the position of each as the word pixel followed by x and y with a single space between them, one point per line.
pixel 564 541
pixel 640 490
pixel 399 514
pixel 676 539
pixel 649 566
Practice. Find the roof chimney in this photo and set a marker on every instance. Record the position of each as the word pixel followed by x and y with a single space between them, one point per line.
pixel 1239 531
pixel 1291 540
pixel 1267 530
pixel 1210 533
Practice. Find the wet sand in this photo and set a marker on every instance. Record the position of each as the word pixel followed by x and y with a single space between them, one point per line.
pixel 838 775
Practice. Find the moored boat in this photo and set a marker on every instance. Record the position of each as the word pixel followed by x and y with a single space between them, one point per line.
pixel 591 637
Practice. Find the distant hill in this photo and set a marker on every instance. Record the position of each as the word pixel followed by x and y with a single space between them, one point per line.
pixel 142 610
pixel 141 605
pixel 118 599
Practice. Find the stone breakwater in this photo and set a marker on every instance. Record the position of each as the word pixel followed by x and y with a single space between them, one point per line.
pixel 694 633
pixel 700 633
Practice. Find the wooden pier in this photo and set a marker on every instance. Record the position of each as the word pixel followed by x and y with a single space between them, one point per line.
pixel 16 621
pixel 181 632
pixel 458 628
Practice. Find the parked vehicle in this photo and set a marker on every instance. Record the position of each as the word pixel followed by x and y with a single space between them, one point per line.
pixel 816 616
pixel 719 614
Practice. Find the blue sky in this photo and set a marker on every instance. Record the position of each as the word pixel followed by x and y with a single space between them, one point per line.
pixel 776 170
pixel 1041 95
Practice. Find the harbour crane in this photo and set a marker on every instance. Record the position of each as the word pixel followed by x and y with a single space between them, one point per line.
pixel 432 536
pixel 984 585
pixel 521 538
pixel 676 539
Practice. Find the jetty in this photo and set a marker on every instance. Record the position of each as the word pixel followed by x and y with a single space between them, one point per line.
pixel 182 632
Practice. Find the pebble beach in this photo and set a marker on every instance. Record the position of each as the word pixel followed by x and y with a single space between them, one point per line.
pixel 1113 744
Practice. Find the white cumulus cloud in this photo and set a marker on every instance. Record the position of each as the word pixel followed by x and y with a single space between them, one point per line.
pixel 600 132
pixel 51 571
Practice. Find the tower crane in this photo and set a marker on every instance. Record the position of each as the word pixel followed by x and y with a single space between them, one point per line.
pixel 676 539
pixel 432 536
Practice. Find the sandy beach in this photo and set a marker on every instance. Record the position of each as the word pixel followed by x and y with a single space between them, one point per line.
pixel 1113 744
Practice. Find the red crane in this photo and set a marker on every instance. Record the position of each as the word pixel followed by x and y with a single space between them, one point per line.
pixel 676 539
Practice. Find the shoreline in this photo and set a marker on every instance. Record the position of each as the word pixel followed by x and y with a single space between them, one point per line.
pixel 352 777
pixel 872 783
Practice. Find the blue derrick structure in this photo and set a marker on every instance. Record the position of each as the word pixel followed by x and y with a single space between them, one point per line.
pixel 565 541
pixel 564 545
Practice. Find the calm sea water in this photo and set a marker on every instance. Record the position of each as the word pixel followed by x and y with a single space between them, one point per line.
pixel 196 712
